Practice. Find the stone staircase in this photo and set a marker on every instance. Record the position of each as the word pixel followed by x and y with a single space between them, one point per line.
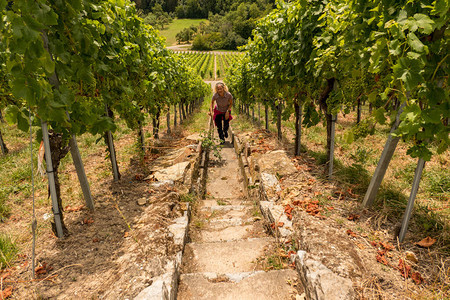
pixel 227 238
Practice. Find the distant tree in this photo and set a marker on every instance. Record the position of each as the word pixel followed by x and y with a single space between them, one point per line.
pixel 200 43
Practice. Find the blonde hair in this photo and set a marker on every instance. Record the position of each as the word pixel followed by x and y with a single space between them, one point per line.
pixel 225 88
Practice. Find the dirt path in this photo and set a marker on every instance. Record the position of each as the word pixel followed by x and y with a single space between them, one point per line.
pixel 228 243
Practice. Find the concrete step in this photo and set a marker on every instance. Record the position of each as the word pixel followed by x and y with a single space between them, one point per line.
pixel 224 257
pixel 223 202
pixel 224 208
pixel 221 216
pixel 243 286
pixel 209 234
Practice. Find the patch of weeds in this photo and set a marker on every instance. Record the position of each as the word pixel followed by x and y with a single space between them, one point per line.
pixel 104 173
pixel 244 123
pixel 393 200
pixel 437 182
pixel 320 157
pixel 199 224
pixel 187 198
pixel 256 212
pixel 323 200
pixel 361 156
pixel 406 174
pixel 316 134
pixel 275 262
pixel 340 221
pixel 209 144
pixel 221 202
pixel 360 229
pixel 355 175
pixel 8 251
pixel 4 209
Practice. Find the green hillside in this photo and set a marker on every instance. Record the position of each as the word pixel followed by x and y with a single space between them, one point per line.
pixel 176 26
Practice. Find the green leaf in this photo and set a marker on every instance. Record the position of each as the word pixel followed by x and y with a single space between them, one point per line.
pixel 379 115
pixel 425 24
pixel 395 47
pixel 33 23
pixel 441 7
pixel 436 95
pixel 49 64
pixel 16 116
pixel 76 4
pixel 11 112
pixel 432 116
pixel 50 18
pixel 19 88
pixel 409 71
pixel 416 44
pixel 372 97
pixel 22 122
pixel 442 147
pixel 349 137
pixel 413 55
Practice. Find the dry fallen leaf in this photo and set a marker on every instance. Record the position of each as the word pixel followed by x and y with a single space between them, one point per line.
pixel 386 246
pixel 353 217
pixel 360 246
pixel 351 233
pixel 74 208
pixel 6 292
pixel 426 242
pixel 126 234
pixel 417 278
pixel 404 268
pixel 381 258
pixel 3 276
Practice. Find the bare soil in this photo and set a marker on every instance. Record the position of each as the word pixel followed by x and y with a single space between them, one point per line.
pixel 111 253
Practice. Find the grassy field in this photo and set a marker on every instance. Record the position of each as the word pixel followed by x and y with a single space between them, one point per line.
pixel 176 26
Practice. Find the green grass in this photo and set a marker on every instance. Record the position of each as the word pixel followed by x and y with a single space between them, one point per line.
pixel 176 26
pixel 8 251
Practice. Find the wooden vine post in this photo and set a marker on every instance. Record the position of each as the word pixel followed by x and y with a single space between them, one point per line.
pixel 383 163
pixel 412 197
pixel 331 153
pixel 112 151
pixel 141 137
pixel 266 112
pixel 298 126
pixel 3 145
pixel 81 173
pixel 168 120
pixel 174 115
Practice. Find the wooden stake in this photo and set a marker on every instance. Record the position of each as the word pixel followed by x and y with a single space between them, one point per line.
pixel 279 109
pixel 266 111
pixel 298 127
pixel 112 150
pixel 3 145
pixel 385 159
pixel 412 197
pixel 82 178
pixel 174 115
pixel 331 157
pixel 168 121
pixel 51 180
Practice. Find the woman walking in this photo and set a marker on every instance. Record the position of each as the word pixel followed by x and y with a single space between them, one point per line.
pixel 221 110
